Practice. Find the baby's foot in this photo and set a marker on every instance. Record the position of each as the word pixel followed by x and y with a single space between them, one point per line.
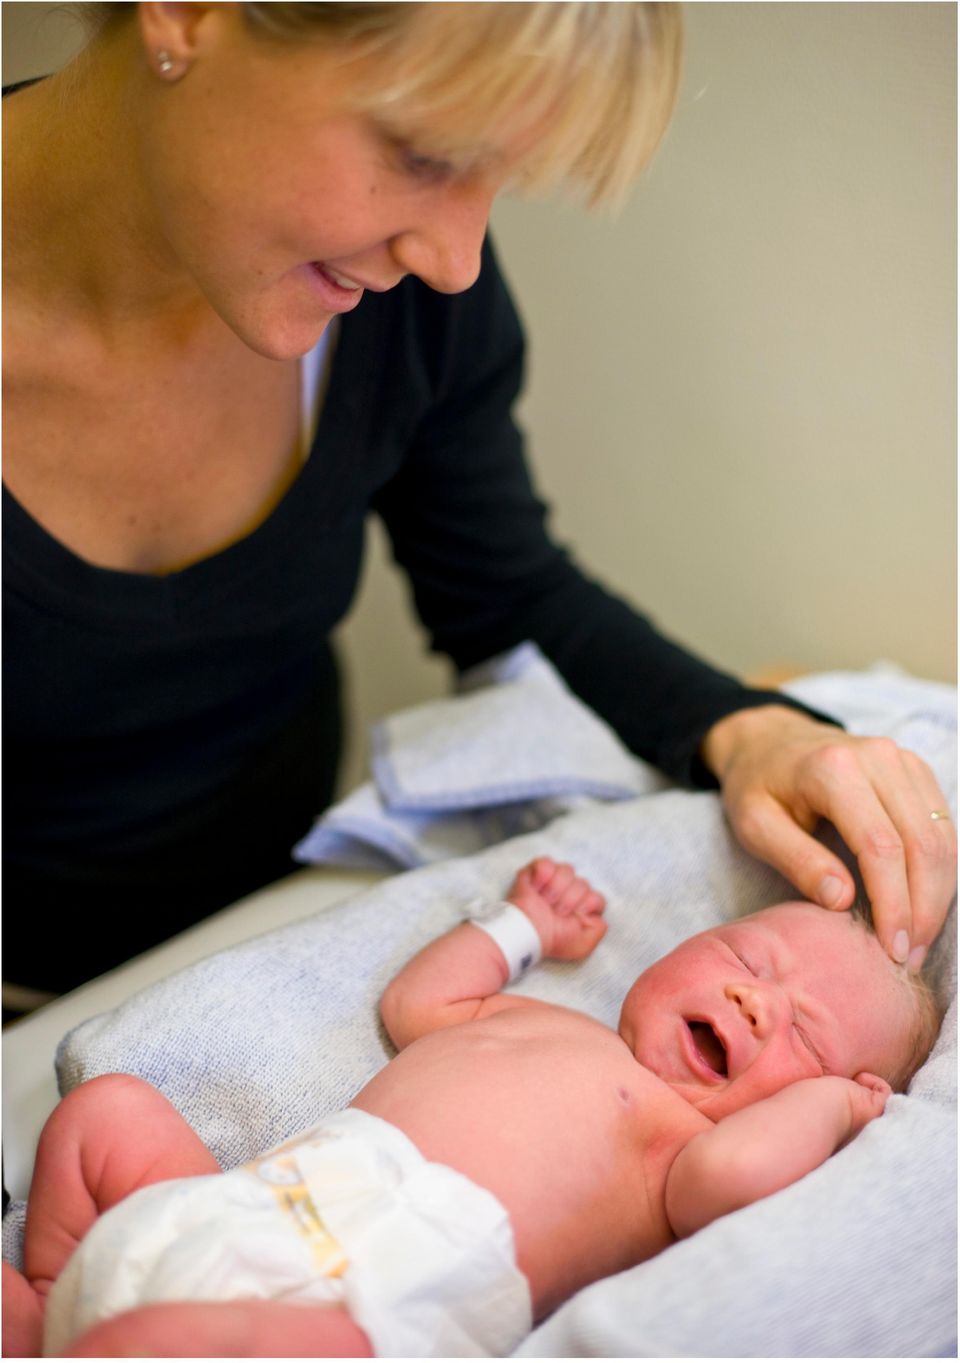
pixel 565 909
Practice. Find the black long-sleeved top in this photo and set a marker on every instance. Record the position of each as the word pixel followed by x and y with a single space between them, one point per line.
pixel 167 739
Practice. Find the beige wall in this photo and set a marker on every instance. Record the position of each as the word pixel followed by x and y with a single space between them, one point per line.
pixel 742 392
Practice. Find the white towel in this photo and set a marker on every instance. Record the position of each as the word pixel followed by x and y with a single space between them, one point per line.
pixel 512 752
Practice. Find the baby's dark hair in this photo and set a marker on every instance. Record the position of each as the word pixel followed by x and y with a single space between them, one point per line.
pixel 927 1013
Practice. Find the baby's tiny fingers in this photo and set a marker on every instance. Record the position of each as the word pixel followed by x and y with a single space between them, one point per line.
pixel 876 1089
pixel 556 888
pixel 577 895
pixel 594 903
pixel 592 929
pixel 540 870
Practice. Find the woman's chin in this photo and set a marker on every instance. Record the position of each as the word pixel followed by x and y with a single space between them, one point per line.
pixel 282 319
pixel 284 337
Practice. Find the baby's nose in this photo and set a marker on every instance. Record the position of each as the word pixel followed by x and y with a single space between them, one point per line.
pixel 757 1005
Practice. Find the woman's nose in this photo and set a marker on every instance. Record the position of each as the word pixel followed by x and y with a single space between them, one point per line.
pixel 758 1005
pixel 443 248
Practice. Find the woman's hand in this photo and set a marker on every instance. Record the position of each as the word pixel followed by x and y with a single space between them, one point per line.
pixel 780 771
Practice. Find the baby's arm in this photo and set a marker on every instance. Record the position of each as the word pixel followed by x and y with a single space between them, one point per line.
pixel 458 977
pixel 767 1146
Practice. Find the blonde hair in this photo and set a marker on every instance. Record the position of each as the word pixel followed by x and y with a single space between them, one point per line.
pixel 926 1029
pixel 594 83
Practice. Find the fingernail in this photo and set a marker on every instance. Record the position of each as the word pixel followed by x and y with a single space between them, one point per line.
pixel 901 946
pixel 916 958
pixel 830 892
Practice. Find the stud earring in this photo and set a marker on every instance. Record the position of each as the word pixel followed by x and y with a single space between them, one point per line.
pixel 164 61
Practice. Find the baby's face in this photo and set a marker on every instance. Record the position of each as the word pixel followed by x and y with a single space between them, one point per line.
pixel 738 1013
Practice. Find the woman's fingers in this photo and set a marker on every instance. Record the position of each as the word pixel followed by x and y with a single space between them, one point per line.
pixel 842 791
pixel 880 797
pixel 780 772
pixel 934 853
pixel 772 834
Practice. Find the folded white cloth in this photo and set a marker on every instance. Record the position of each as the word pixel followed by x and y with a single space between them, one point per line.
pixel 363 833
pixel 512 752
pixel 859 1259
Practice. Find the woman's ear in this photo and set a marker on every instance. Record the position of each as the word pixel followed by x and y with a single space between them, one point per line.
pixel 174 34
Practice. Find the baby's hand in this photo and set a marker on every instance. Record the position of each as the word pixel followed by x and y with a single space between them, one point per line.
pixel 867 1095
pixel 565 909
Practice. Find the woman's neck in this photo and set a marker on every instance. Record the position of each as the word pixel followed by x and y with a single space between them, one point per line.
pixel 79 233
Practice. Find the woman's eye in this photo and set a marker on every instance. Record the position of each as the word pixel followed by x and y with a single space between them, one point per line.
pixel 426 167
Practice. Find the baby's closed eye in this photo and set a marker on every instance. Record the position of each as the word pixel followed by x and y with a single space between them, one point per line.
pixel 808 1043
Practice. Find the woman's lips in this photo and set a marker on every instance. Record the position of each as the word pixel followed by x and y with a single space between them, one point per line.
pixel 337 293
pixel 339 279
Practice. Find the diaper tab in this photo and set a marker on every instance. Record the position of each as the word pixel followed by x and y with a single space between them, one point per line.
pixel 281 1172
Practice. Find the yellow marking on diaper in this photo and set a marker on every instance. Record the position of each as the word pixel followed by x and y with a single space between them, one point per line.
pixel 281 1173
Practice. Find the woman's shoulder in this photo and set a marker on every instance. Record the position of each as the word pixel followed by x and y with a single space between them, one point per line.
pixel 16 85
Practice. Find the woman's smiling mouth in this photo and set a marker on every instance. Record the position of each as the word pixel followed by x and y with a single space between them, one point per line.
pixel 335 291
pixel 341 280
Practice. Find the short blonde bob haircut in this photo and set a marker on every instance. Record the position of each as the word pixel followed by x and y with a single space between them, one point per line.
pixel 593 83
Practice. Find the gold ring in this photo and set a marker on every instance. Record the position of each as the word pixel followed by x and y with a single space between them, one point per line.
pixel 939 814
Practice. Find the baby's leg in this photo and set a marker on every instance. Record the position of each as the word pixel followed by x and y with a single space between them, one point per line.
pixel 238 1329
pixel 107 1138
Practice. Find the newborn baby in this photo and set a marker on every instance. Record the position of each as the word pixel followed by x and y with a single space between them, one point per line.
pixel 512 1152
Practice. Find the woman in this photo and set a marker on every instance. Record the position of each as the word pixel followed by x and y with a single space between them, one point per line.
pixel 249 299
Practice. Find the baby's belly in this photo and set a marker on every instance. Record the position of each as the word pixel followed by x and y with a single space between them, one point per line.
pixel 559 1122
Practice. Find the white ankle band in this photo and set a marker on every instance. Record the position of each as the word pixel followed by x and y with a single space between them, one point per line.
pixel 512 931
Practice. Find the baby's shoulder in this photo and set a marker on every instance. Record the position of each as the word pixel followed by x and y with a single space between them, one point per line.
pixel 517 1012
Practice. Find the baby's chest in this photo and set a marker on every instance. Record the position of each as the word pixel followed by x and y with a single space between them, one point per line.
pixel 595 1176
pixel 663 1123
pixel 609 1122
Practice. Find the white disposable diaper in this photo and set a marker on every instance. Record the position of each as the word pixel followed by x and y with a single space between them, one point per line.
pixel 350 1213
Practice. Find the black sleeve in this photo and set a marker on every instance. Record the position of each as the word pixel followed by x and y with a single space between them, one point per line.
pixel 468 527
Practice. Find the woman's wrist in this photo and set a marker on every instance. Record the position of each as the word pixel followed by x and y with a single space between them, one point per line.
pixel 727 735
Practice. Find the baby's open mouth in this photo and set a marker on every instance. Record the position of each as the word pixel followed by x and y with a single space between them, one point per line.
pixel 709 1047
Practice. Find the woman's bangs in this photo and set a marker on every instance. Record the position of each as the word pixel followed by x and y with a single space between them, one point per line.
pixel 590 87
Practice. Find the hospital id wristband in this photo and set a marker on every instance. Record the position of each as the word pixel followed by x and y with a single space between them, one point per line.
pixel 512 931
